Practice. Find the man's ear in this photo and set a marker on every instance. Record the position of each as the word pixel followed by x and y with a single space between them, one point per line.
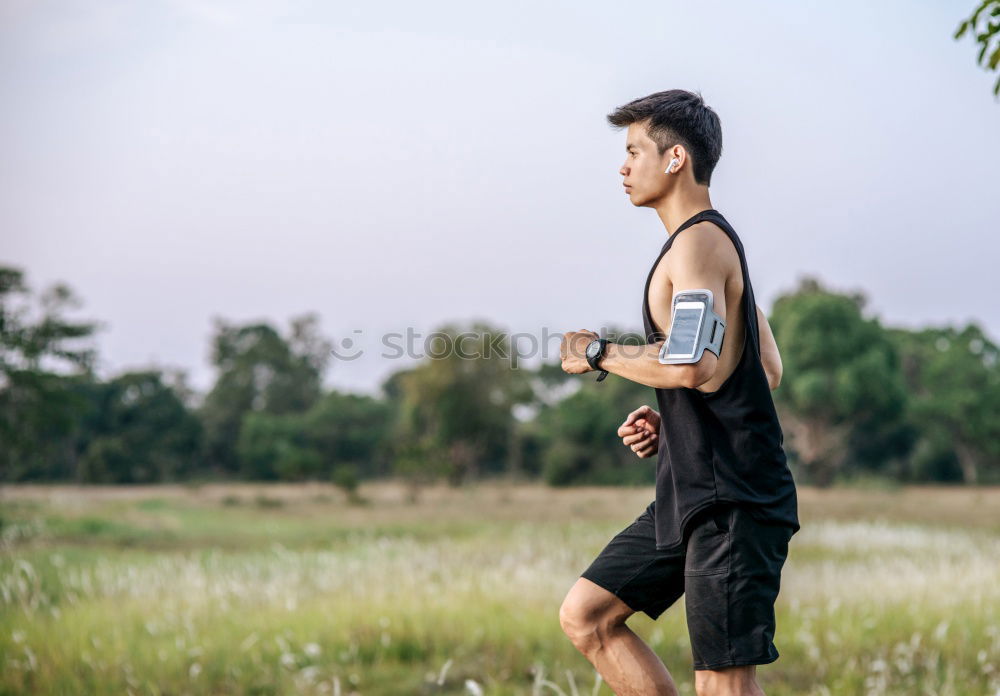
pixel 676 152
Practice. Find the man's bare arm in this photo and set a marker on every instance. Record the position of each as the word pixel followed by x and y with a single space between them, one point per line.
pixel 696 260
pixel 769 355
pixel 641 363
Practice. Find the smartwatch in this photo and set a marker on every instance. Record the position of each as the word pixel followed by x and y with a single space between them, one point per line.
pixel 595 351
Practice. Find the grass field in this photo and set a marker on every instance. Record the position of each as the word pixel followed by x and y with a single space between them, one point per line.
pixel 282 589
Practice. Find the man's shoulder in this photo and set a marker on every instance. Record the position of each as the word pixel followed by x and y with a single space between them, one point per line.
pixel 705 243
pixel 707 234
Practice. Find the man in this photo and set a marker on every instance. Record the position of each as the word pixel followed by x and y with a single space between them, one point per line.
pixel 725 509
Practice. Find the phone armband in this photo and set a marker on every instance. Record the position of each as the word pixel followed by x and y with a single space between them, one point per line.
pixel 694 326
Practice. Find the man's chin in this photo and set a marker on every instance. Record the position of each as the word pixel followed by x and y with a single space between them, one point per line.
pixel 640 201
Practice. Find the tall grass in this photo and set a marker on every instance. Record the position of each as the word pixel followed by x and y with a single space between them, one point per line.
pixel 457 595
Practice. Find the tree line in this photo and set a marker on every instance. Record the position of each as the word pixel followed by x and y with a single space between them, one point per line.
pixel 856 399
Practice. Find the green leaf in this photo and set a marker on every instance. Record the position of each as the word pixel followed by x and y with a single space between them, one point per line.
pixel 995 58
pixel 961 29
pixel 975 15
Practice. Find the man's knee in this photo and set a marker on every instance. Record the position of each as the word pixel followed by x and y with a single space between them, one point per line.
pixel 580 623
pixel 589 614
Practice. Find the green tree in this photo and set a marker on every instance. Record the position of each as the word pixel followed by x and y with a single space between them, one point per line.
pixel 841 375
pixel 341 438
pixel 580 442
pixel 954 379
pixel 567 432
pixel 987 35
pixel 137 429
pixel 275 447
pixel 457 406
pixel 351 434
pixel 259 371
pixel 42 363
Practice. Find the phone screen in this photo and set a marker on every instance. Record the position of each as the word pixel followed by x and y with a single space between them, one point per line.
pixel 684 330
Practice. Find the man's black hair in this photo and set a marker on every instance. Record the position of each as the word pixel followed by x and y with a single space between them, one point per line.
pixel 677 116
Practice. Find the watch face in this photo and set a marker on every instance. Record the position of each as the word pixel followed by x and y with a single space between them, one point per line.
pixel 593 348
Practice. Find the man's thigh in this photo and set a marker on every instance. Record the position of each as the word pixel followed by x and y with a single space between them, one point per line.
pixel 731 580
pixel 633 570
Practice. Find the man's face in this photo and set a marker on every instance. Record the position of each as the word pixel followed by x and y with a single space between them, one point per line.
pixel 645 180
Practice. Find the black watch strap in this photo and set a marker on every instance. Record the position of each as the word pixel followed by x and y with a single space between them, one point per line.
pixel 595 362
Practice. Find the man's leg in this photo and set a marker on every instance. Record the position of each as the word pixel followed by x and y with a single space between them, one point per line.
pixel 728 681
pixel 732 578
pixel 594 620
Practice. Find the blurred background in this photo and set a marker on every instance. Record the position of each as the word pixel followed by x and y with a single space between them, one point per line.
pixel 237 455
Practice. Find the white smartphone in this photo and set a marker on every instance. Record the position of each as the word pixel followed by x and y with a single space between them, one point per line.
pixel 686 326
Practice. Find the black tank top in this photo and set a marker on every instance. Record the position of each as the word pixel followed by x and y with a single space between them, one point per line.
pixel 722 446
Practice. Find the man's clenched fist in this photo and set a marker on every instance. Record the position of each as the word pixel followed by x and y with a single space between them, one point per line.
pixel 573 351
pixel 641 431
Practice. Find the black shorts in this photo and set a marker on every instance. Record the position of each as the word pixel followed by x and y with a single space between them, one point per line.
pixel 729 567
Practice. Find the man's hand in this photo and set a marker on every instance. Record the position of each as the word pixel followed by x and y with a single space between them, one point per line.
pixel 573 351
pixel 641 431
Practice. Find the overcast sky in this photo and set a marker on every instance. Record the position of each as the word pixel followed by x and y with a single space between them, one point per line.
pixel 394 165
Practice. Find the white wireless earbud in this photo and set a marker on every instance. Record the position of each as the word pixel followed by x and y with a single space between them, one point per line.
pixel 670 166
